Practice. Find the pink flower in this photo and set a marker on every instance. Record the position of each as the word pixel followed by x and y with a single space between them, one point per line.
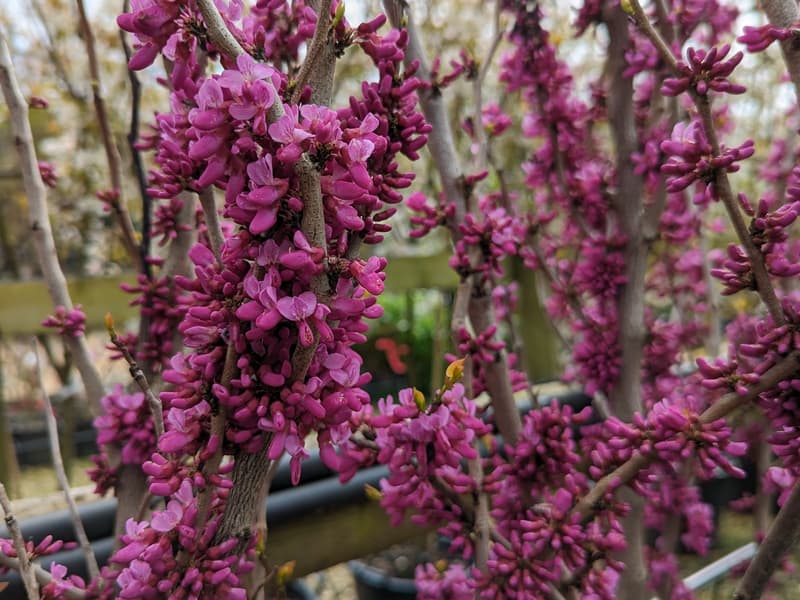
pixel 370 273
pixel 264 195
pixel 299 309
pixel 167 520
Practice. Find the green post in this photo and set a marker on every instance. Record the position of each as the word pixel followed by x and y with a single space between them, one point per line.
pixel 9 466
pixel 539 339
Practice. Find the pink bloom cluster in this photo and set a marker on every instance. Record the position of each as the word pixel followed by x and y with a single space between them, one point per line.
pixel 150 566
pixel 161 306
pixel 691 159
pixel 448 584
pixel 46 547
pixel 420 442
pixel 48 173
pixel 672 434
pixel 705 71
pixel 271 295
pixel 757 39
pixel 128 422
pixel 70 323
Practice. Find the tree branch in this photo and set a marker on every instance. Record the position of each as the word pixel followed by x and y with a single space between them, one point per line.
pixel 177 260
pixel 215 236
pixel 40 222
pixel 23 565
pixel 783 534
pixel 318 66
pixel 482 156
pixel 55 57
pixel 58 464
pixel 117 201
pixel 445 158
pixel 785 13
pixel 138 376
pixel 250 470
pixel 440 139
pixel 626 395
pixel 628 206
pixel 481 522
pixel 721 182
pixel 136 155
pixel 623 474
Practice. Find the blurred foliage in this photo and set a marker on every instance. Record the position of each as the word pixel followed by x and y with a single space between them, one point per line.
pixel 414 328
pixel 52 64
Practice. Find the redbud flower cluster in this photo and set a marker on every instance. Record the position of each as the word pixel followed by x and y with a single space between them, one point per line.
pixel 757 39
pixel 71 323
pixel 270 295
pixel 422 442
pixel 691 159
pixel 705 71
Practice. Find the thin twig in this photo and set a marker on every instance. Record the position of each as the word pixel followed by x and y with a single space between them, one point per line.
pixel 440 140
pixel 481 523
pixel 722 182
pixel 320 54
pixel 215 236
pixel 445 158
pixel 117 199
pixel 40 222
pixel 785 13
pixel 785 369
pixel 23 563
pixel 138 376
pixel 58 464
pixel 136 155
pixel 482 156
pixel 54 56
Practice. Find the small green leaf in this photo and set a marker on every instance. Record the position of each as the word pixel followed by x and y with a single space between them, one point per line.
pixel 338 15
pixel 373 493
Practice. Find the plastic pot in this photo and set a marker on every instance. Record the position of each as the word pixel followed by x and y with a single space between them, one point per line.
pixel 375 584
pixel 299 590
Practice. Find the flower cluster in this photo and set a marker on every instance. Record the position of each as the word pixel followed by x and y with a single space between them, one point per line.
pixel 48 173
pixel 448 582
pixel 430 217
pixel 128 422
pixel 670 433
pixel 269 321
pixel 150 567
pixel 163 310
pixel 46 547
pixel 71 323
pixel 757 39
pixel 691 159
pixel 705 71
pixel 422 442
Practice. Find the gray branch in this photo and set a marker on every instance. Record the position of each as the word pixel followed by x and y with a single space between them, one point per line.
pixel 40 222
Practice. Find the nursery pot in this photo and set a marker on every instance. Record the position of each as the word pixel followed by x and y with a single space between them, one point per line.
pixel 375 584
pixel 299 590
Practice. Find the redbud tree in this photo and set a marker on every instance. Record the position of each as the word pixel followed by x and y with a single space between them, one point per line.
pixel 280 200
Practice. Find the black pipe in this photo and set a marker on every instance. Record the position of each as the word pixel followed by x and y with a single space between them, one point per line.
pixel 319 489
pixel 97 518
pixel 284 505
